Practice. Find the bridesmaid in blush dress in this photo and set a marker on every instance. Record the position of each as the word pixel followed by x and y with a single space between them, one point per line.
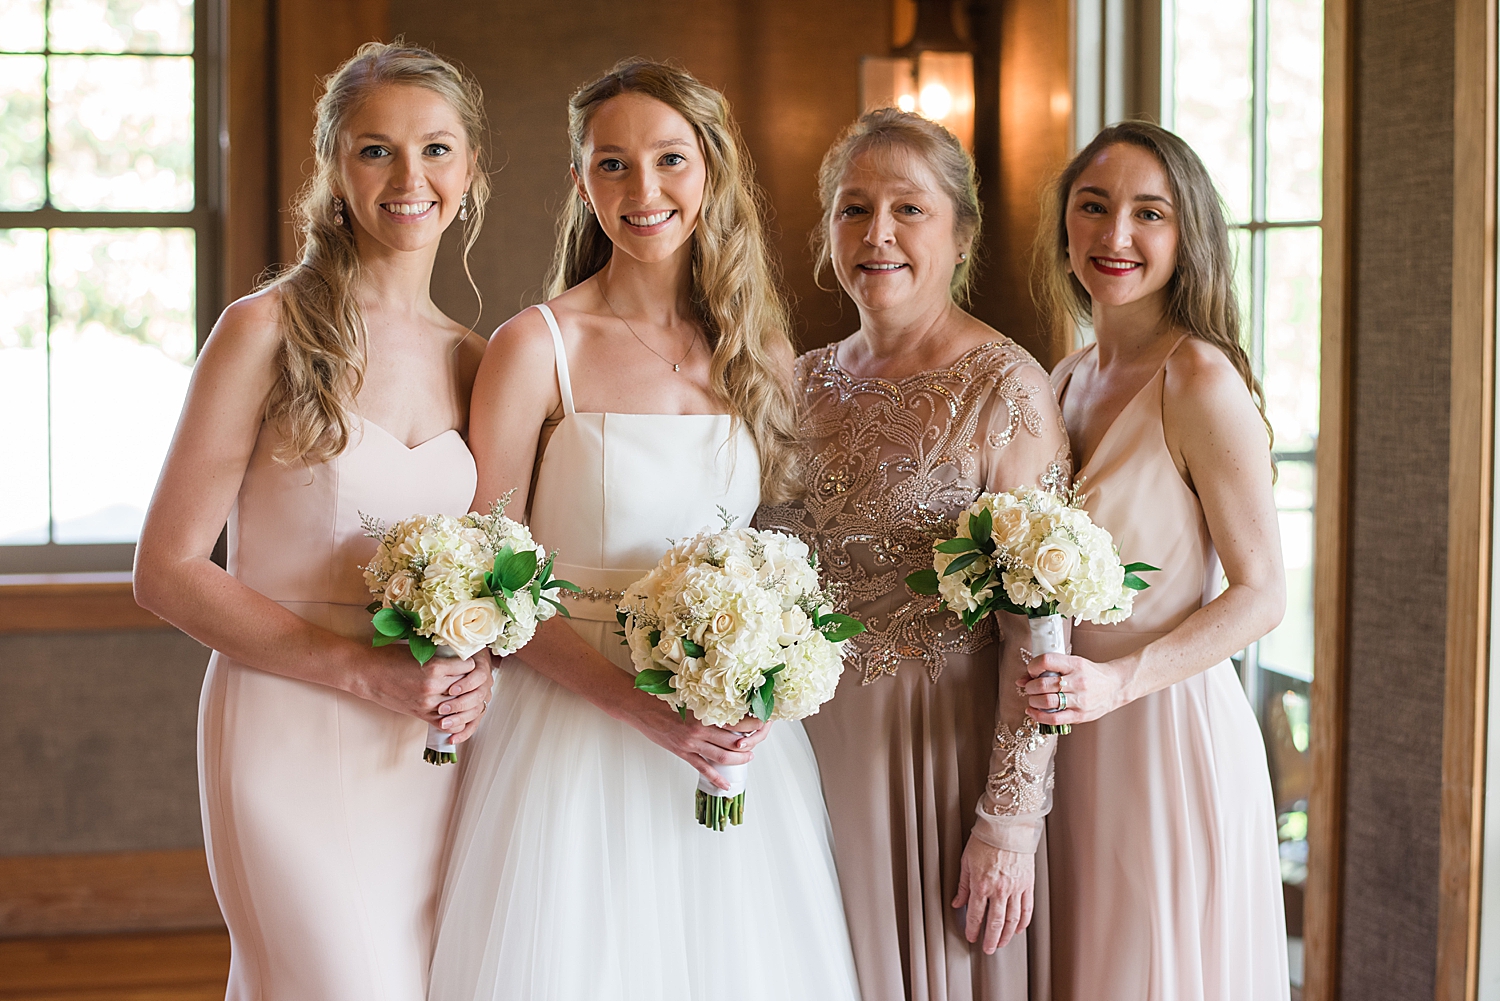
pixel 1165 879
pixel 338 391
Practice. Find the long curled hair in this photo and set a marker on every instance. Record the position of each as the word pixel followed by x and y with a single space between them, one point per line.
pixel 321 364
pixel 734 292
pixel 890 129
pixel 1200 294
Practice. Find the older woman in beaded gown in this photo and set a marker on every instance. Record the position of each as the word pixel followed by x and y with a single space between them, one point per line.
pixel 936 782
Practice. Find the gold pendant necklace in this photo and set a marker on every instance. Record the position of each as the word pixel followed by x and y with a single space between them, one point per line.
pixel 676 365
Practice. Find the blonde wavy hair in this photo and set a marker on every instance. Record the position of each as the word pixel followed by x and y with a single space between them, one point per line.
pixel 735 291
pixel 1200 294
pixel 890 129
pixel 321 365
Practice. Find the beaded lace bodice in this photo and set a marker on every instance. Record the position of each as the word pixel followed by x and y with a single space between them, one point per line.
pixel 887 464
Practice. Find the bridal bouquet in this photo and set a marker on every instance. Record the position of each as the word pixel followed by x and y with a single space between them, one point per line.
pixel 1034 553
pixel 732 624
pixel 450 586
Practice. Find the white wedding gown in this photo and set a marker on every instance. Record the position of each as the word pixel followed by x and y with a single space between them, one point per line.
pixel 577 869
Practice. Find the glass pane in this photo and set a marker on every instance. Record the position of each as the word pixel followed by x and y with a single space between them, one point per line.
pixel 123 342
pixel 122 26
pixel 23 385
pixel 1212 84
pixel 1289 647
pixel 1294 270
pixel 1294 122
pixel 122 132
pixel 22 142
pixel 21 27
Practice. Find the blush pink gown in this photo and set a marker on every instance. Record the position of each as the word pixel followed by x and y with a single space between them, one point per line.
pixel 1165 880
pixel 324 826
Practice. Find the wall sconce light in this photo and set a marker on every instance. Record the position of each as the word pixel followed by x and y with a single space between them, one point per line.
pixel 932 75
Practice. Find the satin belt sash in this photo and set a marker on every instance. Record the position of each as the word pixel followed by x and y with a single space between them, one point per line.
pixel 602 587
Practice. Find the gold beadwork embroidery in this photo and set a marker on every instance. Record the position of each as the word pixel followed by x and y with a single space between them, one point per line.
pixel 889 464
pixel 593 594
pixel 1021 785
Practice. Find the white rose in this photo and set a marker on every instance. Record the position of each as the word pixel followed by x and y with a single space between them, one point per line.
pixel 721 624
pixel 1009 526
pixel 795 626
pixel 400 588
pixel 1054 562
pixel 469 625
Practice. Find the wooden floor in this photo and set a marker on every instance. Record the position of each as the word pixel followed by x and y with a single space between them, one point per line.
pixel 169 966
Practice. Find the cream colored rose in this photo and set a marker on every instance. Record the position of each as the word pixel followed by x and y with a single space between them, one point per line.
pixel 469 625
pixel 1009 526
pixel 795 626
pixel 721 624
pixel 1055 561
pixel 400 588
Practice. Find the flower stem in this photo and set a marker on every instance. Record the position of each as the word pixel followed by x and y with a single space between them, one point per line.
pixel 439 757
pixel 716 811
pixel 1047 729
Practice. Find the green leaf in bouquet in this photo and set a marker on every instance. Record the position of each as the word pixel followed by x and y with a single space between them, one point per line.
pixel 381 639
pixel 517 571
pixel 923 581
pixel 682 711
pixel 390 622
pixel 422 648
pixel 960 563
pixel 655 681
pixel 957 544
pixel 690 648
pixel 763 698
pixel 561 608
pixel 980 526
pixel 982 582
pixel 620 617
pixel 837 627
pixel 1132 581
pixel 654 636
pixel 374 607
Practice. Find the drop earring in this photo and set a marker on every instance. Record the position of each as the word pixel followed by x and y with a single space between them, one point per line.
pixel 463 207
pixel 338 211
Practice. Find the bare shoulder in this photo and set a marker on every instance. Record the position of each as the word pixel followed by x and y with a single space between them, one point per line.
pixel 1200 379
pixel 248 332
pixel 1068 364
pixel 523 341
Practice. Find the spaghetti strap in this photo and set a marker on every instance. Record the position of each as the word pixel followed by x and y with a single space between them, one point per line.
pixel 564 383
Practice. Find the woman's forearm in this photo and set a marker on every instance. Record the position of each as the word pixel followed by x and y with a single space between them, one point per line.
pixel 1214 633
pixel 200 598
pixel 560 654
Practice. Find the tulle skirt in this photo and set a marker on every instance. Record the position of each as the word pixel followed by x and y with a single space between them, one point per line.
pixel 577 869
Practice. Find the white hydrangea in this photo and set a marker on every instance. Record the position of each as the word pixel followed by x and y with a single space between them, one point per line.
pixel 743 600
pixel 1048 553
pixel 429 564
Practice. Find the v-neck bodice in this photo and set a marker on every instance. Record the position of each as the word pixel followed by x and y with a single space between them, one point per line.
pixel 1133 489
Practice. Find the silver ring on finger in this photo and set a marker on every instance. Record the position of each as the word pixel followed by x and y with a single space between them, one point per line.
pixel 484 706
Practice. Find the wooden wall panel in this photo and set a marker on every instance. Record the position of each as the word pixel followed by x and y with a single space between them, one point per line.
pixel 105 893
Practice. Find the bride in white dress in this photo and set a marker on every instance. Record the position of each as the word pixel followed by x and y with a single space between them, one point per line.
pixel 652 390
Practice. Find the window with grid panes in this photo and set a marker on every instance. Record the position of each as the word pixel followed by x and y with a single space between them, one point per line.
pixel 1247 93
pixel 105 231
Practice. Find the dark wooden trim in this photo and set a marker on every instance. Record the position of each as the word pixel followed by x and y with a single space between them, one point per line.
pixel 1322 913
pixel 104 893
pixel 1470 493
pixel 71 602
pixel 250 162
pixel 175 966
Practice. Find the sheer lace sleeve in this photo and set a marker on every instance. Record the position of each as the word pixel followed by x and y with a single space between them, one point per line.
pixel 1024 442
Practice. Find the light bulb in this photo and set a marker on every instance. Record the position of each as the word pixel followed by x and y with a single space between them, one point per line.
pixel 936 102
pixel 906 103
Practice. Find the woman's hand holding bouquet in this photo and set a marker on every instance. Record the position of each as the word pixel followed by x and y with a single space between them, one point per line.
pixel 452 586
pixel 1034 553
pixel 732 624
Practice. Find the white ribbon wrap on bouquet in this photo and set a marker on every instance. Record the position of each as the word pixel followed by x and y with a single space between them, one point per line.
pixel 735 775
pixel 1047 635
pixel 438 740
